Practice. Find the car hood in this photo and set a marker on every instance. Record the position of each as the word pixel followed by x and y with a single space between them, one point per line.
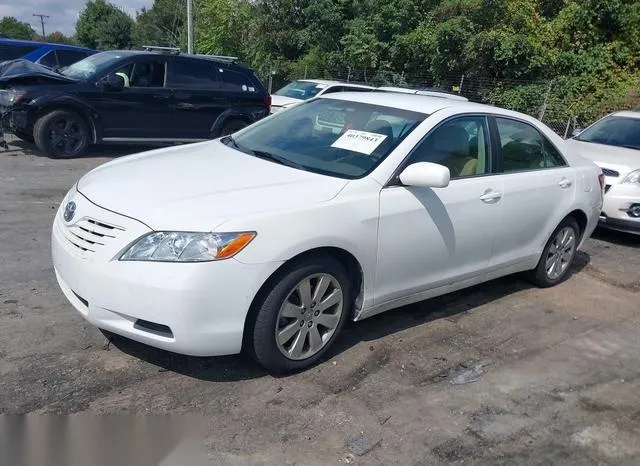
pixel 24 72
pixel 200 186
pixel 621 159
pixel 282 100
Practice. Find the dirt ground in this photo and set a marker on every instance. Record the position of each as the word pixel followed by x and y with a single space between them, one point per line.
pixel 558 370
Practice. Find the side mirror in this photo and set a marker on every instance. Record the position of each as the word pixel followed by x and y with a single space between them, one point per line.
pixel 426 174
pixel 113 82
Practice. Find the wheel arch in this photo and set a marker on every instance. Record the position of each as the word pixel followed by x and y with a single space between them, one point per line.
pixel 346 258
pixel 581 217
pixel 84 113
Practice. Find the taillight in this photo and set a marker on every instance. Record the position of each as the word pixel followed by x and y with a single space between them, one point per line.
pixel 601 180
pixel 267 101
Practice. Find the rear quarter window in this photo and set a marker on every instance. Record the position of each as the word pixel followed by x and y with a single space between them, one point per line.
pixel 235 81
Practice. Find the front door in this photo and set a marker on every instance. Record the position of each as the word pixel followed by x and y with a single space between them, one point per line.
pixel 141 108
pixel 431 237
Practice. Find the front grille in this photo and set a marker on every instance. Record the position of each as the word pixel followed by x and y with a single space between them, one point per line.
pixel 611 173
pixel 88 234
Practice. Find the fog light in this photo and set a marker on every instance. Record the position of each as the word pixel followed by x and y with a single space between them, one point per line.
pixel 634 210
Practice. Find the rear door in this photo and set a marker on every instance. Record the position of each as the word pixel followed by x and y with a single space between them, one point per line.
pixel 198 98
pixel 538 190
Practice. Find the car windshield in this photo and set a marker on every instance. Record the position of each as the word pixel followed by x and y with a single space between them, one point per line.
pixel 302 90
pixel 329 136
pixel 93 66
pixel 614 131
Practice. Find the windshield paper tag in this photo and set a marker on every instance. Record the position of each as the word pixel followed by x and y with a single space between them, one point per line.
pixel 359 141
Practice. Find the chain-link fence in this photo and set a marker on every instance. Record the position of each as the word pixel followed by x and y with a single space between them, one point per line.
pixel 546 100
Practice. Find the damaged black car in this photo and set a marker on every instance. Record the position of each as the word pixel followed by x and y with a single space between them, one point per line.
pixel 151 96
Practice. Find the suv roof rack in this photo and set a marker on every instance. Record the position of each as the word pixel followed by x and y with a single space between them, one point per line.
pixel 155 48
pixel 217 57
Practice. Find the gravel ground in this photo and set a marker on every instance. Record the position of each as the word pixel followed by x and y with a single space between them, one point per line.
pixel 556 371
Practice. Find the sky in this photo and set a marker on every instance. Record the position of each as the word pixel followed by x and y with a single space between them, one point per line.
pixel 63 13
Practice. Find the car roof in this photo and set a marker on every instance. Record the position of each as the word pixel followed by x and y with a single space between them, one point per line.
pixel 335 83
pixel 222 61
pixel 418 103
pixel 627 114
pixel 42 44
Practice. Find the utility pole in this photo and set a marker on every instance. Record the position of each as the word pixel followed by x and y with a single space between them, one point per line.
pixel 42 17
pixel 189 28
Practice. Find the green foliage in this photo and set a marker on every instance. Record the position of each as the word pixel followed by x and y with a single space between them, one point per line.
pixel 164 24
pixel 11 28
pixel 58 38
pixel 103 26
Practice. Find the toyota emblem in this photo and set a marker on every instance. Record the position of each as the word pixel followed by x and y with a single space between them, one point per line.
pixel 69 211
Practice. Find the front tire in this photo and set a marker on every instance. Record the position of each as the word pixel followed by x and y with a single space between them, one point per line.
pixel 61 134
pixel 558 255
pixel 298 320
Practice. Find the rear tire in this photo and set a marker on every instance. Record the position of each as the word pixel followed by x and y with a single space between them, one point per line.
pixel 25 136
pixel 232 126
pixel 61 134
pixel 302 314
pixel 558 255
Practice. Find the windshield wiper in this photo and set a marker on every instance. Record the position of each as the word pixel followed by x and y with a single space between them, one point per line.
pixel 627 146
pixel 229 141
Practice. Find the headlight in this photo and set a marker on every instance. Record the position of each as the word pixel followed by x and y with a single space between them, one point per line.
pixel 633 177
pixel 176 246
pixel 10 97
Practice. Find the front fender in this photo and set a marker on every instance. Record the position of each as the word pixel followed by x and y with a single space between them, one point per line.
pixel 46 103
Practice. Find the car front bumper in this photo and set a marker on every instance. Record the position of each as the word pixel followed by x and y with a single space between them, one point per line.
pixel 620 201
pixel 196 309
pixel 12 119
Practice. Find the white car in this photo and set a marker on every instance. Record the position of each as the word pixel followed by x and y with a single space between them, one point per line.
pixel 428 92
pixel 614 144
pixel 272 238
pixel 304 89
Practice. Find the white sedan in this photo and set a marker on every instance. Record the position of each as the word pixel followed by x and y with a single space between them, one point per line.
pixel 614 144
pixel 270 239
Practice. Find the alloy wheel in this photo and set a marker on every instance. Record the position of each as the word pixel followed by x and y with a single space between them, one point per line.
pixel 560 253
pixel 309 316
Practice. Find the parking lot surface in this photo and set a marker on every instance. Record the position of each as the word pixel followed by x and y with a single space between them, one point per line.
pixel 503 373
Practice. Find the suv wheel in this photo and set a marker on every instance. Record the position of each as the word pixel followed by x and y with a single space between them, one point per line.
pixel 232 126
pixel 61 134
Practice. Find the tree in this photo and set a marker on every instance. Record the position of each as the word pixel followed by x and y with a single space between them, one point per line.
pixel 11 28
pixel 163 24
pixel 103 26
pixel 58 38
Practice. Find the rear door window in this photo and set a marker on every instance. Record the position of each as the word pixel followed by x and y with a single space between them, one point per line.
pixel 523 147
pixel 192 74
pixel 69 57
pixel 11 52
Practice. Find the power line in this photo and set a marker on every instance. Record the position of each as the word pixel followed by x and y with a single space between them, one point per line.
pixel 42 17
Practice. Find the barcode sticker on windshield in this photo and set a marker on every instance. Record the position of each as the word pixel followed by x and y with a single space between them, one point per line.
pixel 359 141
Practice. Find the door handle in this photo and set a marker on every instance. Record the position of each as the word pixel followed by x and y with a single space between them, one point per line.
pixel 161 96
pixel 491 197
pixel 565 183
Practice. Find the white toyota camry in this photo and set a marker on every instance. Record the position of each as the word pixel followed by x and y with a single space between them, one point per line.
pixel 343 207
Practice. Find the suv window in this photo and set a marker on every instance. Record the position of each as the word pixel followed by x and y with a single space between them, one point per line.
pixel 49 59
pixel 11 52
pixel 235 81
pixel 69 57
pixel 148 74
pixel 199 74
pixel 462 145
pixel 523 147
pixel 333 89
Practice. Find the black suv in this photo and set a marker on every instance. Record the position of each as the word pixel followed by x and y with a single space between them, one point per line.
pixel 131 97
